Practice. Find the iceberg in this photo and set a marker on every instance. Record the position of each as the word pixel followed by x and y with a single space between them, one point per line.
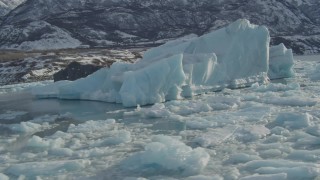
pixel 232 57
pixel 281 62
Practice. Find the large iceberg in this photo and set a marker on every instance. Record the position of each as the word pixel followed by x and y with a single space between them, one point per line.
pixel 234 56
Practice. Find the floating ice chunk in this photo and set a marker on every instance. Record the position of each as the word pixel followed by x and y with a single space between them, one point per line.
pixel 241 158
pixel 290 101
pixel 3 177
pixel 26 127
pixel 277 87
pixel 281 62
pixel 231 173
pixel 224 103
pixel 61 152
pixel 35 125
pixel 206 105
pixel 38 142
pixel 292 120
pixel 168 154
pixel 48 118
pixel 215 136
pixel 200 123
pixel 283 147
pixel 92 127
pixel 275 138
pixel 252 133
pixel 280 176
pixel 314 130
pixel 315 74
pixel 134 178
pixel 41 143
pixel 10 115
pixel 305 155
pixel 270 153
pixel 234 56
pixel 201 177
pixel 253 112
pixel 294 170
pixel 34 169
pixel 92 152
pixel 155 111
pixel 299 173
pixel 280 131
pixel 305 140
pixel 118 137
pixel 188 107
pixel 101 133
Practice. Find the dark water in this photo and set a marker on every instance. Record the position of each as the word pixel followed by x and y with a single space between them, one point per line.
pixel 79 110
pixel 76 112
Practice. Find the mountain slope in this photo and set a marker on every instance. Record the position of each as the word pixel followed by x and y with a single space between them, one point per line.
pixel 8 5
pixel 126 22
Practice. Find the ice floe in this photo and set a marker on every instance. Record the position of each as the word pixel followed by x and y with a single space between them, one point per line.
pixel 165 154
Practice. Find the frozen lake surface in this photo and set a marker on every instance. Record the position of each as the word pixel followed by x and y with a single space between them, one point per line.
pixel 261 132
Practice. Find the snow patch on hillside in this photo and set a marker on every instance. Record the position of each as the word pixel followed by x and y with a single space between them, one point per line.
pixel 45 35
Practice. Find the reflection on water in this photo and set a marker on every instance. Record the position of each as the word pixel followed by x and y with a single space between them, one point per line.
pixel 74 112
pixel 79 110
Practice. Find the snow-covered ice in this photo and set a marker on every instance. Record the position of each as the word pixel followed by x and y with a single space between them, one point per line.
pixel 232 57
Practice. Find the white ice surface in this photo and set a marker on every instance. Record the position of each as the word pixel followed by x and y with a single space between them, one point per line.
pixel 34 169
pixel 3 177
pixel 280 176
pixel 167 154
pixel 234 56
pixel 266 131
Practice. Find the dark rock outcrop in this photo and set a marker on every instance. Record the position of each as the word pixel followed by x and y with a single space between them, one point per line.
pixel 75 71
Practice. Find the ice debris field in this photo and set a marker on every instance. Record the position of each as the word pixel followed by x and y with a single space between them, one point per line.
pixel 268 130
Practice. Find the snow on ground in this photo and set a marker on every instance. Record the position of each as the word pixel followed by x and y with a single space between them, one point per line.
pixel 267 131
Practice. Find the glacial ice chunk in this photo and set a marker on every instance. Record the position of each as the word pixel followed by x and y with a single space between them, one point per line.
pixel 293 170
pixel 292 120
pixel 281 62
pixel 167 154
pixel 232 57
pixel 280 176
pixel 33 169
pixel 3 177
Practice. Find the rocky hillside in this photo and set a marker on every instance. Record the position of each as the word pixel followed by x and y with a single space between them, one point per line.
pixel 7 5
pixel 30 66
pixel 54 24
